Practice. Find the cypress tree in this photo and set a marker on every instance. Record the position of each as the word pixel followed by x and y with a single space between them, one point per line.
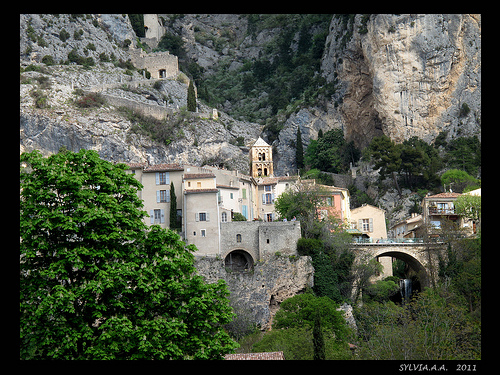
pixel 299 150
pixel 173 208
pixel 318 341
pixel 191 98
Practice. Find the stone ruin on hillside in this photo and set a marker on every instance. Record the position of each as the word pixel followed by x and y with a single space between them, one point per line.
pixel 159 64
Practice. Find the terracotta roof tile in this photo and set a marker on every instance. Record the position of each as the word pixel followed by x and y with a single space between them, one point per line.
pixel 198 191
pixel 256 356
pixel 189 176
pixel 445 195
pixel 163 167
pixel 135 165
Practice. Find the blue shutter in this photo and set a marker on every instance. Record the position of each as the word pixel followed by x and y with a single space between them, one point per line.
pixel 157 178
pixel 152 216
pixel 168 196
pixel 244 210
pixel 264 198
pixel 167 178
pixel 207 216
pixel 162 216
pixel 157 196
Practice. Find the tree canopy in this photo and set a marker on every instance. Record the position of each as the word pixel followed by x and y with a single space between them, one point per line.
pixel 95 282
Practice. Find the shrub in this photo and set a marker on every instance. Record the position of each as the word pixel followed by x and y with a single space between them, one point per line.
pixel 48 60
pixel 63 35
pixel 90 100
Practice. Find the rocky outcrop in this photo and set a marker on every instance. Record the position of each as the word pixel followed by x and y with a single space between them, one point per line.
pixel 406 75
pixel 261 290
pixel 193 139
pixel 88 35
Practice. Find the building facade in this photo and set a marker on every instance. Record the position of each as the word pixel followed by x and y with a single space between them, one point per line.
pixel 207 199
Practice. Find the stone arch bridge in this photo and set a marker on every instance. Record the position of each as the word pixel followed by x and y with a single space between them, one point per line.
pixel 423 258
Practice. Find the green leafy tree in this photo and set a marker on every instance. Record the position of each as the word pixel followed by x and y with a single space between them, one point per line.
pixel 191 97
pixel 386 156
pixel 95 283
pixel 459 180
pixel 301 323
pixel 469 206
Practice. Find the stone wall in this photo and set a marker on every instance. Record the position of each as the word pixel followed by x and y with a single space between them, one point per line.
pixel 155 62
pixel 258 293
pixel 260 239
pixel 156 111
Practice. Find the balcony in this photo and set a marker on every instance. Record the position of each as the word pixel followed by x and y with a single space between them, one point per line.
pixel 441 211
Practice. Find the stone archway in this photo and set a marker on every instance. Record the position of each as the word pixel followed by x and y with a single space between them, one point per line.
pixel 238 261
pixel 412 262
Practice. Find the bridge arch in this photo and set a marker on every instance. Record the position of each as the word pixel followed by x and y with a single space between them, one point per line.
pixel 413 262
pixel 238 260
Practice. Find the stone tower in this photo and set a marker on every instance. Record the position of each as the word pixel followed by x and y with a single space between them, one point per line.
pixel 261 157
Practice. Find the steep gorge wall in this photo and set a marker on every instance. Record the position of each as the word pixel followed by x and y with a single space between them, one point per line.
pixel 406 75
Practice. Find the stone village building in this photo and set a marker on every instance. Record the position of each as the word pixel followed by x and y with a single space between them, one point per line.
pixel 207 198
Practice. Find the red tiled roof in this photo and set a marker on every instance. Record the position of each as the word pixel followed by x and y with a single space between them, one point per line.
pixel 255 356
pixel 197 191
pixel 163 167
pixel 189 176
pixel 135 165
pixel 445 195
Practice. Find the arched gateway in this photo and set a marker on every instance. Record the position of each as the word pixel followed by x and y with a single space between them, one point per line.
pixel 238 260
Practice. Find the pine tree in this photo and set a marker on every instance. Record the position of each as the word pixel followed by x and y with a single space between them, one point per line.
pixel 299 150
pixel 191 98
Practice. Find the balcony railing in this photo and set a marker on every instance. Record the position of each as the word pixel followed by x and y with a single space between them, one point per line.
pixel 441 211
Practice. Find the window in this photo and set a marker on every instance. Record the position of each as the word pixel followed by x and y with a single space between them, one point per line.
pixel 231 195
pixel 198 184
pixel 365 225
pixel 329 201
pixel 189 183
pixel 244 193
pixel 202 216
pixel 267 188
pixel 238 238
pixel 224 217
pixel 203 232
pixel 436 224
pixel 157 216
pixel 267 198
pixel 162 178
pixel 162 196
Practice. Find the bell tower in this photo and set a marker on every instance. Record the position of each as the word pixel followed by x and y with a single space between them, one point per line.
pixel 261 157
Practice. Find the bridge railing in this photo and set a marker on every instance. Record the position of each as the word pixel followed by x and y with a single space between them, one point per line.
pixel 385 241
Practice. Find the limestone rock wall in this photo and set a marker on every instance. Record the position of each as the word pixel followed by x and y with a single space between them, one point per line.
pixel 406 75
pixel 260 291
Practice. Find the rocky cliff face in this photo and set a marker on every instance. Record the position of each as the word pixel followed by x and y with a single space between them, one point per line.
pixel 258 293
pixel 407 75
pixel 399 75
pixel 59 122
